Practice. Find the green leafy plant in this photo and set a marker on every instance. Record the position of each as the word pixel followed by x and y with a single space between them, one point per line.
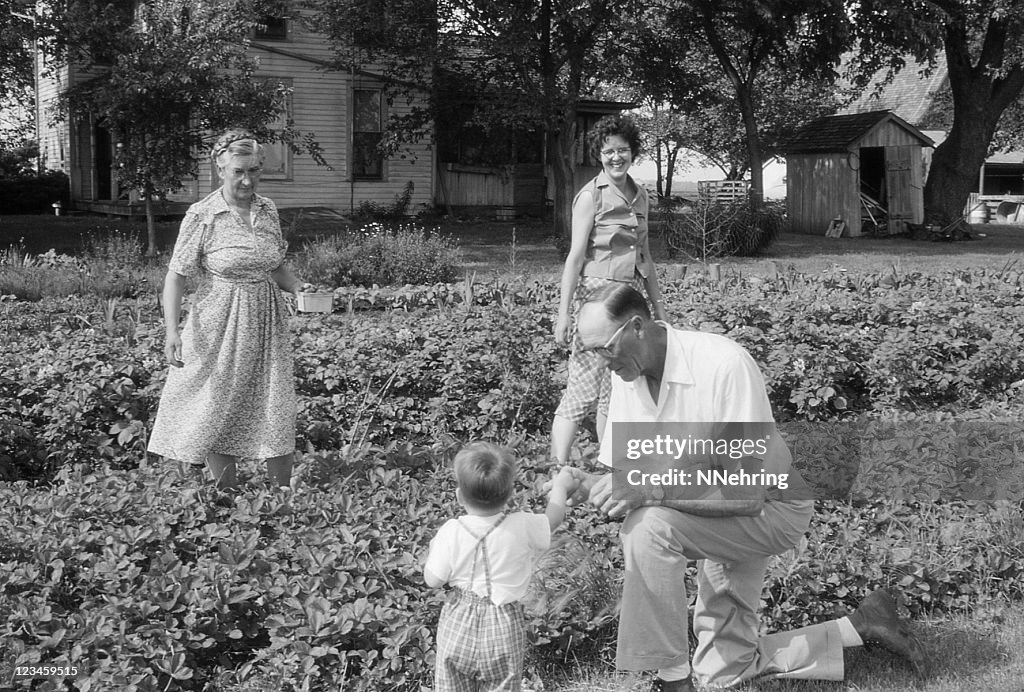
pixel 381 256
pixel 398 210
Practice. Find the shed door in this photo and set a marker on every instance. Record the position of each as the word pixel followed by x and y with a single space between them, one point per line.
pixel 899 183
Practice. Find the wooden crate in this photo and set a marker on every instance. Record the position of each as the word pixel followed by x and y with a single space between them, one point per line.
pixel 725 191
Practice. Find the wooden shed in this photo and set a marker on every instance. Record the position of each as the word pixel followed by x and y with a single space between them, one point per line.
pixel 865 168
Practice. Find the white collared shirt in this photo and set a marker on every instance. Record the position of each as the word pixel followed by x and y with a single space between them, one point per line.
pixel 707 378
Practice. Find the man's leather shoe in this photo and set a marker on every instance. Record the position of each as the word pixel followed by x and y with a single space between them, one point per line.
pixel 876 620
pixel 684 685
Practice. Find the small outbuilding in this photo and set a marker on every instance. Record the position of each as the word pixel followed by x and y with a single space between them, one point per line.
pixel 864 171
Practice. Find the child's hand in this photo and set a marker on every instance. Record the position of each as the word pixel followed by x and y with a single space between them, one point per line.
pixel 567 481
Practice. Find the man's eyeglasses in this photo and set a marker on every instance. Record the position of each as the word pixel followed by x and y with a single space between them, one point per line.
pixel 607 350
pixel 621 151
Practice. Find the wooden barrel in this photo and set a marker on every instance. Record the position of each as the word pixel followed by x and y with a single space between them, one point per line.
pixel 979 214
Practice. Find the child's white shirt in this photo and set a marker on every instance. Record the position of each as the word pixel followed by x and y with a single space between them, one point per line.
pixel 513 549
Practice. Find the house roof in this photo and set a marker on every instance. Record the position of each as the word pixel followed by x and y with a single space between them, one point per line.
pixel 601 107
pixel 841 132
pixel 910 93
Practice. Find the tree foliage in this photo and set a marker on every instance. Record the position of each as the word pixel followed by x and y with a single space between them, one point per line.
pixel 162 79
pixel 748 71
pixel 17 97
pixel 17 31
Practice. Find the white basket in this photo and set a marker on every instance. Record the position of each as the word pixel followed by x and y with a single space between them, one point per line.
pixel 315 302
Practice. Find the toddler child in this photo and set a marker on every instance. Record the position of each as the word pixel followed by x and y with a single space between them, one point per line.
pixel 488 556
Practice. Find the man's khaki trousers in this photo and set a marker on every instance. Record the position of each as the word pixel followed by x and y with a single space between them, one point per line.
pixel 733 554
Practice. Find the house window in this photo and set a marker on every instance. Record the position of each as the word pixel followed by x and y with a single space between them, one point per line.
pixel 367 131
pixel 271 28
pixel 277 165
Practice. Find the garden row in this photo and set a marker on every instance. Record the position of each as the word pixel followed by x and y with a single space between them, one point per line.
pixel 841 355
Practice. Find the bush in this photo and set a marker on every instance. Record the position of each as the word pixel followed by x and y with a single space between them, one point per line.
pixel 711 230
pixel 111 267
pixel 376 255
pixel 486 372
pixel 396 211
pixel 834 346
pixel 34 194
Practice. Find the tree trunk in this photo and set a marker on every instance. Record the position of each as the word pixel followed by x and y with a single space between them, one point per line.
pixel 670 171
pixel 954 170
pixel 560 158
pixel 743 87
pixel 659 143
pixel 756 157
pixel 979 99
pixel 150 225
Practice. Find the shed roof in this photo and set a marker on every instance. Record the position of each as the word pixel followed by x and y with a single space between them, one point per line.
pixel 841 132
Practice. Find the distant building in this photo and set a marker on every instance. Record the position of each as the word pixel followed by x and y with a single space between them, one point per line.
pixel 865 170
pixel 347 113
pixel 915 95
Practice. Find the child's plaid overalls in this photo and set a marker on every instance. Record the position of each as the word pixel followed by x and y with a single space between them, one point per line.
pixel 480 645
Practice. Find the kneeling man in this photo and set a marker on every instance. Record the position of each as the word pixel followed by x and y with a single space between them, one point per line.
pixel 731 525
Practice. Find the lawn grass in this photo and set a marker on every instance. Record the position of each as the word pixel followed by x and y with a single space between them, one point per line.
pixel 526 246
pixel 70 234
pixel 966 653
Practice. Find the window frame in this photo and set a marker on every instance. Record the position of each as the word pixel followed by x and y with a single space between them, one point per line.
pixel 286 171
pixel 268 34
pixel 353 147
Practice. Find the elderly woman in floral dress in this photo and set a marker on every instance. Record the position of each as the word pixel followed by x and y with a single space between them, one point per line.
pixel 230 391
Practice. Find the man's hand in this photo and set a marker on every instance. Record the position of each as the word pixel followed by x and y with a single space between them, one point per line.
pixel 614 499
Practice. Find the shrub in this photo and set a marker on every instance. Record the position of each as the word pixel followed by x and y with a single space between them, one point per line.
pixel 376 255
pixel 396 211
pixel 34 194
pixel 711 230
pixel 111 267
pixel 85 380
pixel 115 247
pixel 486 372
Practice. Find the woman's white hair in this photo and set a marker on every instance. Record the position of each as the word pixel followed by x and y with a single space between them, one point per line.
pixel 236 143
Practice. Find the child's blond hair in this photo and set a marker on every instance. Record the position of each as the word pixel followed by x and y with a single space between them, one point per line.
pixel 485 473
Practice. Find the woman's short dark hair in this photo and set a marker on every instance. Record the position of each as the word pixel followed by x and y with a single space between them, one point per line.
pixel 611 125
pixel 485 473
